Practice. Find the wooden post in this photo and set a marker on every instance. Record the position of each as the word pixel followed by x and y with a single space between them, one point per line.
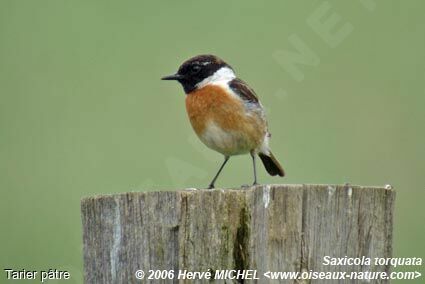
pixel 263 228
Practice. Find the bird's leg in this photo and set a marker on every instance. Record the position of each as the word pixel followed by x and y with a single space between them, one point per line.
pixel 255 168
pixel 226 158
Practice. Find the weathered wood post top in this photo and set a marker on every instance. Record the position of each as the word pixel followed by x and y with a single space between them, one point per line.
pixel 263 228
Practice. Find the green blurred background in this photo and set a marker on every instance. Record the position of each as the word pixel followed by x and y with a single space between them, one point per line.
pixel 82 109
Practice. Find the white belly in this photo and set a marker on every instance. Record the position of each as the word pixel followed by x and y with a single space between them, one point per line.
pixel 228 143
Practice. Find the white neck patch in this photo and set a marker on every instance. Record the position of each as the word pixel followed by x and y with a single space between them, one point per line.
pixel 222 75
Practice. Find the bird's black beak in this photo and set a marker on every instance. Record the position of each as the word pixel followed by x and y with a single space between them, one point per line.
pixel 173 77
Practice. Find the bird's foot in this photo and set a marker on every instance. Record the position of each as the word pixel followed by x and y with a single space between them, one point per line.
pixel 211 186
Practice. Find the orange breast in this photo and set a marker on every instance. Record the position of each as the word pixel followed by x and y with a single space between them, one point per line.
pixel 213 103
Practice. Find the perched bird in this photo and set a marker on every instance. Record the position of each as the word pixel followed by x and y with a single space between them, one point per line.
pixel 225 112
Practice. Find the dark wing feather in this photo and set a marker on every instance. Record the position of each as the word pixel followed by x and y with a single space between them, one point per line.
pixel 243 90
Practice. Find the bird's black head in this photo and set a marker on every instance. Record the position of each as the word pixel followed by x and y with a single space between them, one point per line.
pixel 196 69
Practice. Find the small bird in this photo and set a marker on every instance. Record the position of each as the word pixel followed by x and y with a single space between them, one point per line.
pixel 225 112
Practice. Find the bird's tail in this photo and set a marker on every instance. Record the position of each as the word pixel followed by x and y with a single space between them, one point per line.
pixel 271 164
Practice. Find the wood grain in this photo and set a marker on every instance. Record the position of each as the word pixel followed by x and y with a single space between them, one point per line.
pixel 266 228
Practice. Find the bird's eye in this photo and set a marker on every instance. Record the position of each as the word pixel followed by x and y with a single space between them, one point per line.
pixel 195 69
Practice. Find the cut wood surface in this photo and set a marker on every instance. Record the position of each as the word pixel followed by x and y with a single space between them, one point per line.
pixel 263 228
